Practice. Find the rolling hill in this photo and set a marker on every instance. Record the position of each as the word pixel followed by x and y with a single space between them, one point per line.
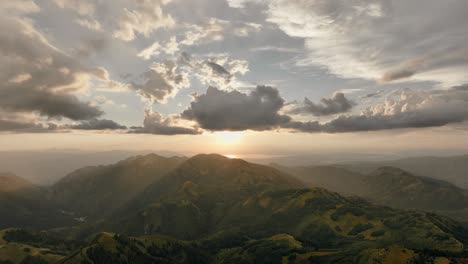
pixel 23 204
pixel 452 169
pixel 389 186
pixel 93 192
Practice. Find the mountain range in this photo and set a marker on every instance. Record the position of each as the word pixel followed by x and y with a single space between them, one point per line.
pixel 389 186
pixel 212 209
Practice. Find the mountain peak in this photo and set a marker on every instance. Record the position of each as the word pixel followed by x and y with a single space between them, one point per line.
pixel 211 156
pixel 150 159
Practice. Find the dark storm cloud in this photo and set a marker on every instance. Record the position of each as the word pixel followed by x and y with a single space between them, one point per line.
pixel 232 110
pixel 327 106
pixel 156 124
pixel 97 124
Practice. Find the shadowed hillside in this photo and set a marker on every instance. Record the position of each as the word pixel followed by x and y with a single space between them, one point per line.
pixel 95 191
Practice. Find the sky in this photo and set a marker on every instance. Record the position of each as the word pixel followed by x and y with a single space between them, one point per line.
pixel 234 76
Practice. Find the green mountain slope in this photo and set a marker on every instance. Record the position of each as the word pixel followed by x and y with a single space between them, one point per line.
pixel 401 189
pixel 92 192
pixel 189 200
pixel 226 204
pixel 211 209
pixel 27 247
pixel 23 204
pixel 389 186
pixel 451 169
pixel 329 177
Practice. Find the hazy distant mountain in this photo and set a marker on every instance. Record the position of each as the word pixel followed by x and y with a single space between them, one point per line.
pixel 401 189
pixel 12 184
pixel 389 186
pixel 48 166
pixel 452 169
pixel 324 158
pixel 23 204
pixel 329 177
pixel 94 191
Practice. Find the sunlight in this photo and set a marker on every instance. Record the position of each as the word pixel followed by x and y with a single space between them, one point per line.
pixel 231 156
pixel 229 137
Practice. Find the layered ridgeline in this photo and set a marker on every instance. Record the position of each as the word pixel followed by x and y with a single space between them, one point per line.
pixel 211 209
pixel 451 169
pixel 389 186
pixel 24 204
pixel 93 192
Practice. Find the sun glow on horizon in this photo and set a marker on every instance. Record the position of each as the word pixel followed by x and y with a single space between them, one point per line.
pixel 229 137
pixel 231 156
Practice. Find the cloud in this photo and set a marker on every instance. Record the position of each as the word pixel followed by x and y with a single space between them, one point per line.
pixel 242 3
pixel 219 110
pixel 11 126
pixel 231 110
pixel 217 71
pixel 38 77
pixel 145 18
pixel 165 79
pixel 82 7
pixel 378 40
pixel 170 47
pixel 275 49
pixel 91 46
pixel 92 24
pixel 24 123
pixel 19 7
pixel 156 124
pixel 162 81
pixel 403 109
pixel 46 103
pixel 212 30
pixel 97 124
pixel 327 106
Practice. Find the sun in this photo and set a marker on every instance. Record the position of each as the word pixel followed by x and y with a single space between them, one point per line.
pixel 229 137
pixel 231 156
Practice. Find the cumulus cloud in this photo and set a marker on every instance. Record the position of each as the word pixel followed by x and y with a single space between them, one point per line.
pixel 82 7
pixel 402 109
pixel 170 47
pixel 379 40
pixel 157 124
pixel 210 31
pixel 92 23
pixel 217 71
pixel 24 127
pixel 97 124
pixel 38 77
pixel 233 110
pixel 145 18
pixel 162 81
pixel 19 7
pixel 327 106
pixel 165 79
pixel 24 123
